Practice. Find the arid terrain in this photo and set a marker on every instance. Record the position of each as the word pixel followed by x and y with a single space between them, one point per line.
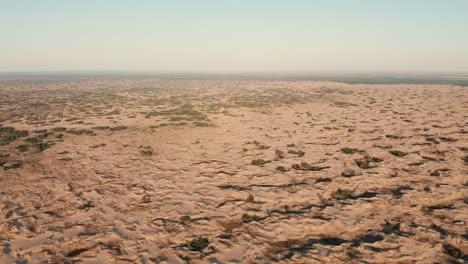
pixel 235 171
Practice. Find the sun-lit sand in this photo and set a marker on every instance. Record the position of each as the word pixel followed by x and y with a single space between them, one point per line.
pixel 179 171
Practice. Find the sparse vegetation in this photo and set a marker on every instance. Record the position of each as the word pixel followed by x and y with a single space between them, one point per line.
pixel 453 251
pixel 185 218
pixel 101 127
pixel 367 162
pixel 43 146
pixel 59 129
pixel 87 205
pixel 341 194
pixel 398 153
pixel 323 180
pixel 199 244
pixel 306 167
pixel 10 134
pixel 448 139
pixel 176 175
pixel 16 165
pixel 299 153
pixel 260 162
pixel 118 128
pixel 202 124
pixel 247 218
pixel 281 169
pixel 349 150
pixel 80 132
pixel 22 148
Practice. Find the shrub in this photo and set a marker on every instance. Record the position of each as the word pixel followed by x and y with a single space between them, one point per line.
pixel 349 150
pixel 199 244
pixel 306 167
pixel 260 162
pixel 398 153
pixel 43 146
pixel 185 218
pixel 22 148
pixel 299 153
pixel 341 194
pixel 59 129
pixel 281 169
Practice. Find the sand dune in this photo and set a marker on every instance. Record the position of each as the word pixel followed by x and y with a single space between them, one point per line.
pixel 161 171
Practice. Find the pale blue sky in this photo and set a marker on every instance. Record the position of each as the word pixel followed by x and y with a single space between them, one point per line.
pixel 230 35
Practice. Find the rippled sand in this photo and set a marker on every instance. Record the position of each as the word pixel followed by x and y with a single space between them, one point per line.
pixel 153 171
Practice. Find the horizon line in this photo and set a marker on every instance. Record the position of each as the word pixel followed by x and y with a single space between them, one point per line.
pixel 234 72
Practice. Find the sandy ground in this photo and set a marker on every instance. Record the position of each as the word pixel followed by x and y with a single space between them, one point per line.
pixel 152 171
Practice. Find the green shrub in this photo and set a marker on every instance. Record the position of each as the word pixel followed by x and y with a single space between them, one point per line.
pixel 281 169
pixel 349 150
pixel 260 162
pixel 199 244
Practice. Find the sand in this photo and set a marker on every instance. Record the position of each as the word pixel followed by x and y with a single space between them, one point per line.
pixel 180 171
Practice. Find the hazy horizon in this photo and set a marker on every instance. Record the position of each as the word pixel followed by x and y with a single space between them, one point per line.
pixel 228 131
pixel 234 37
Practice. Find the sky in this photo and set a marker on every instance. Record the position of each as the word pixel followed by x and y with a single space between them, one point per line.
pixel 234 36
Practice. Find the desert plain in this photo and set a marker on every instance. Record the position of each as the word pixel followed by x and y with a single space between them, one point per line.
pixel 232 171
